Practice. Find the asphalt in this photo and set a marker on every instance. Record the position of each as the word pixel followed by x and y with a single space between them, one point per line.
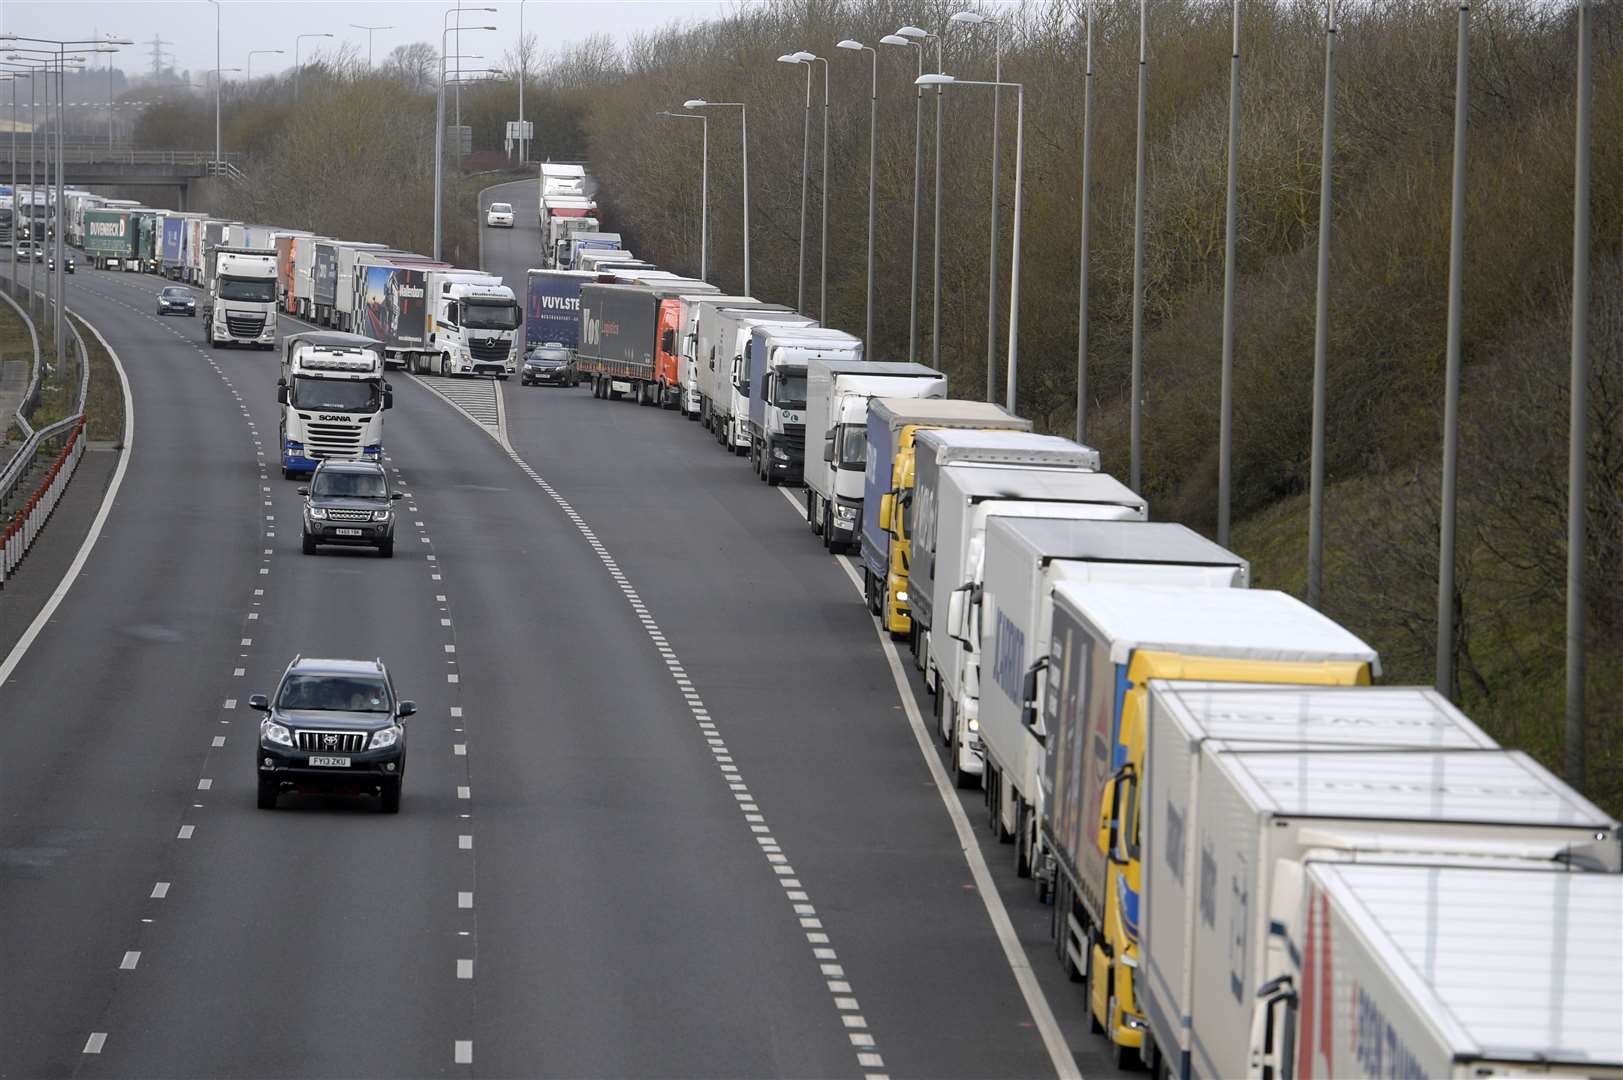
pixel 663 812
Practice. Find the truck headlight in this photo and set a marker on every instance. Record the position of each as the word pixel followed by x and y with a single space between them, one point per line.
pixel 779 454
pixel 901 596
pixel 385 738
pixel 272 732
pixel 845 514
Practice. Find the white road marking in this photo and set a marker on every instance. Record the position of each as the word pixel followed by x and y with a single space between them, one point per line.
pixel 129 961
pixel 459 749
pixel 159 891
pixel 464 969
pixel 464 1052
pixel 1042 1014
pixel 230 702
pixel 464 792
pixel 205 784
pixel 219 740
pixel 464 842
pixel 98 1039
pixel 464 900
pixel 185 832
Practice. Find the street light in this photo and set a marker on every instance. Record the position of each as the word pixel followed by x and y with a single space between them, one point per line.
pixel 916 34
pixel 806 58
pixel 217 5
pixel 297 70
pixel 975 18
pixel 249 75
pixel 918 179
pixel 939 81
pixel 218 74
pixel 744 153
pixel 369 31
pixel 523 73
pixel 439 117
pixel 873 118
pixel 704 190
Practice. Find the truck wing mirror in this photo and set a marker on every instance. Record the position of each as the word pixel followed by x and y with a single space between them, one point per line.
pixel 1273 1029
pixel 388 399
pixel 1118 799
pixel 887 510
pixel 961 604
pixel 281 395
pixel 1030 687
pixel 667 341
pixel 828 449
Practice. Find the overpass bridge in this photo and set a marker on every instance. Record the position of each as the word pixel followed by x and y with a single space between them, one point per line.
pixel 100 166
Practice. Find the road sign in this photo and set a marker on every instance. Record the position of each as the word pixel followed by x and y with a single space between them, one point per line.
pixel 460 136
pixel 517 130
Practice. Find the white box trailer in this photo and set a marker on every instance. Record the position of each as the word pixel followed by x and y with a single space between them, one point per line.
pixel 837 396
pixel 1259 814
pixel 723 380
pixel 1007 622
pixel 691 305
pixel 967 496
pixel 1182 717
pixel 934 450
pixel 304 276
pixel 1449 971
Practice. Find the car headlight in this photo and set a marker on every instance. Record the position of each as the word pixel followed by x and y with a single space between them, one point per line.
pixel 272 732
pixel 382 515
pixel 779 454
pixel 385 738
pixel 317 512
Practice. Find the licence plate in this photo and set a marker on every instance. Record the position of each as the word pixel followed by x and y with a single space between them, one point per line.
pixel 330 762
pixel 347 532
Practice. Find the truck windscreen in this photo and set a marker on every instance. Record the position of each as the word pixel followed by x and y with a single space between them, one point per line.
pixel 248 290
pixel 789 390
pixel 477 316
pixel 345 395
pixel 853 446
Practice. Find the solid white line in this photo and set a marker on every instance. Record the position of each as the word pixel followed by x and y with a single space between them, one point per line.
pixel 1042 1014
pixel 71 575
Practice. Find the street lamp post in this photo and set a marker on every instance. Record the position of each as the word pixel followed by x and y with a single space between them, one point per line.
pixel 1135 437
pixel 935 272
pixel 523 72
pixel 12 79
pixel 217 73
pixel 744 144
pixel 439 118
pixel 805 171
pixel 873 119
pixel 704 191
pixel 918 177
pixel 249 74
pixel 297 70
pixel 1087 220
pixel 939 81
pixel 370 30
pixel 219 77
pixel 974 18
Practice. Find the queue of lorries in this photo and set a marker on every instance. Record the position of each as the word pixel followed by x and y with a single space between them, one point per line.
pixel 1261 864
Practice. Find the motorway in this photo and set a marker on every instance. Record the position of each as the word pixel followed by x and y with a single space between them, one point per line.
pixel 665 813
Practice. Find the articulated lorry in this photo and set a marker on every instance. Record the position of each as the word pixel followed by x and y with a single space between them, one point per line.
pixel 474 324
pixel 776 357
pixel 552 307
pixel 837 396
pixel 1241 835
pixel 1445 971
pixel 239 302
pixel 1004 624
pixel 934 451
pixel 332 395
pixel 724 377
pixel 302 299
pixel 111 238
pixel 1109 641
pixel 887 491
pixel 559 181
pixel 968 496
pixel 567 219
pixel 566 254
pixel 623 331
pixel 333 262
pixel 692 306
pixel 148 240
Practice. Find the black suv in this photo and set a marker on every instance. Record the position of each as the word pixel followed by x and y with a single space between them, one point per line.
pixel 550 363
pixel 335 725
pixel 349 502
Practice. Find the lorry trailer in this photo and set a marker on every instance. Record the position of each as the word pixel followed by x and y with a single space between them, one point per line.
pixel 837 396
pixel 620 337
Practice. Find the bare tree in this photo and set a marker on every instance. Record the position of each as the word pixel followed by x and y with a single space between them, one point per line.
pixel 417 66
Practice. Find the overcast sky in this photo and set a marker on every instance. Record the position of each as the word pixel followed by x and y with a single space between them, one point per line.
pixel 187 26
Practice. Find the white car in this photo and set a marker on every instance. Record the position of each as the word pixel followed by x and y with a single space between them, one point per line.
pixel 499 215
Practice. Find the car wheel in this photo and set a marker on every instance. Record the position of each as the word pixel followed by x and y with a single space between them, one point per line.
pixel 309 545
pixel 386 548
pixel 267 794
pixel 389 802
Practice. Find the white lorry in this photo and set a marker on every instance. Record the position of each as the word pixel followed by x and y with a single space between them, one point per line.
pixel 969 496
pixel 1238 839
pixel 691 305
pixel 1266 716
pixel 239 305
pixel 723 380
pixel 474 325
pixel 837 396
pixel 934 450
pixel 559 181
pixel 332 396
pixel 1466 972
pixel 1004 625
pixel 776 357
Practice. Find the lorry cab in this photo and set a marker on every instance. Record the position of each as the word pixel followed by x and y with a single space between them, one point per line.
pixel 777 357
pixel 474 325
pixel 332 395
pixel 240 306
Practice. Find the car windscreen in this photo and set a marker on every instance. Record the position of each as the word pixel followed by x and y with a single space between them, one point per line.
pixel 248 290
pixel 500 316
pixel 348 395
pixel 501 207
pixel 789 390
pixel 176 294
pixel 334 693
pixel 550 356
pixel 353 485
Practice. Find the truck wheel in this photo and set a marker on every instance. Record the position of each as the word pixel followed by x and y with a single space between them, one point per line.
pixel 962 780
pixel 941 728
pixel 1125 1058
pixel 1094 1027
pixel 267 794
pixel 1022 839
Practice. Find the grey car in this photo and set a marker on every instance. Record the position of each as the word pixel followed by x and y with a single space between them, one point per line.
pixel 174 300
pixel 349 503
pixel 552 364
